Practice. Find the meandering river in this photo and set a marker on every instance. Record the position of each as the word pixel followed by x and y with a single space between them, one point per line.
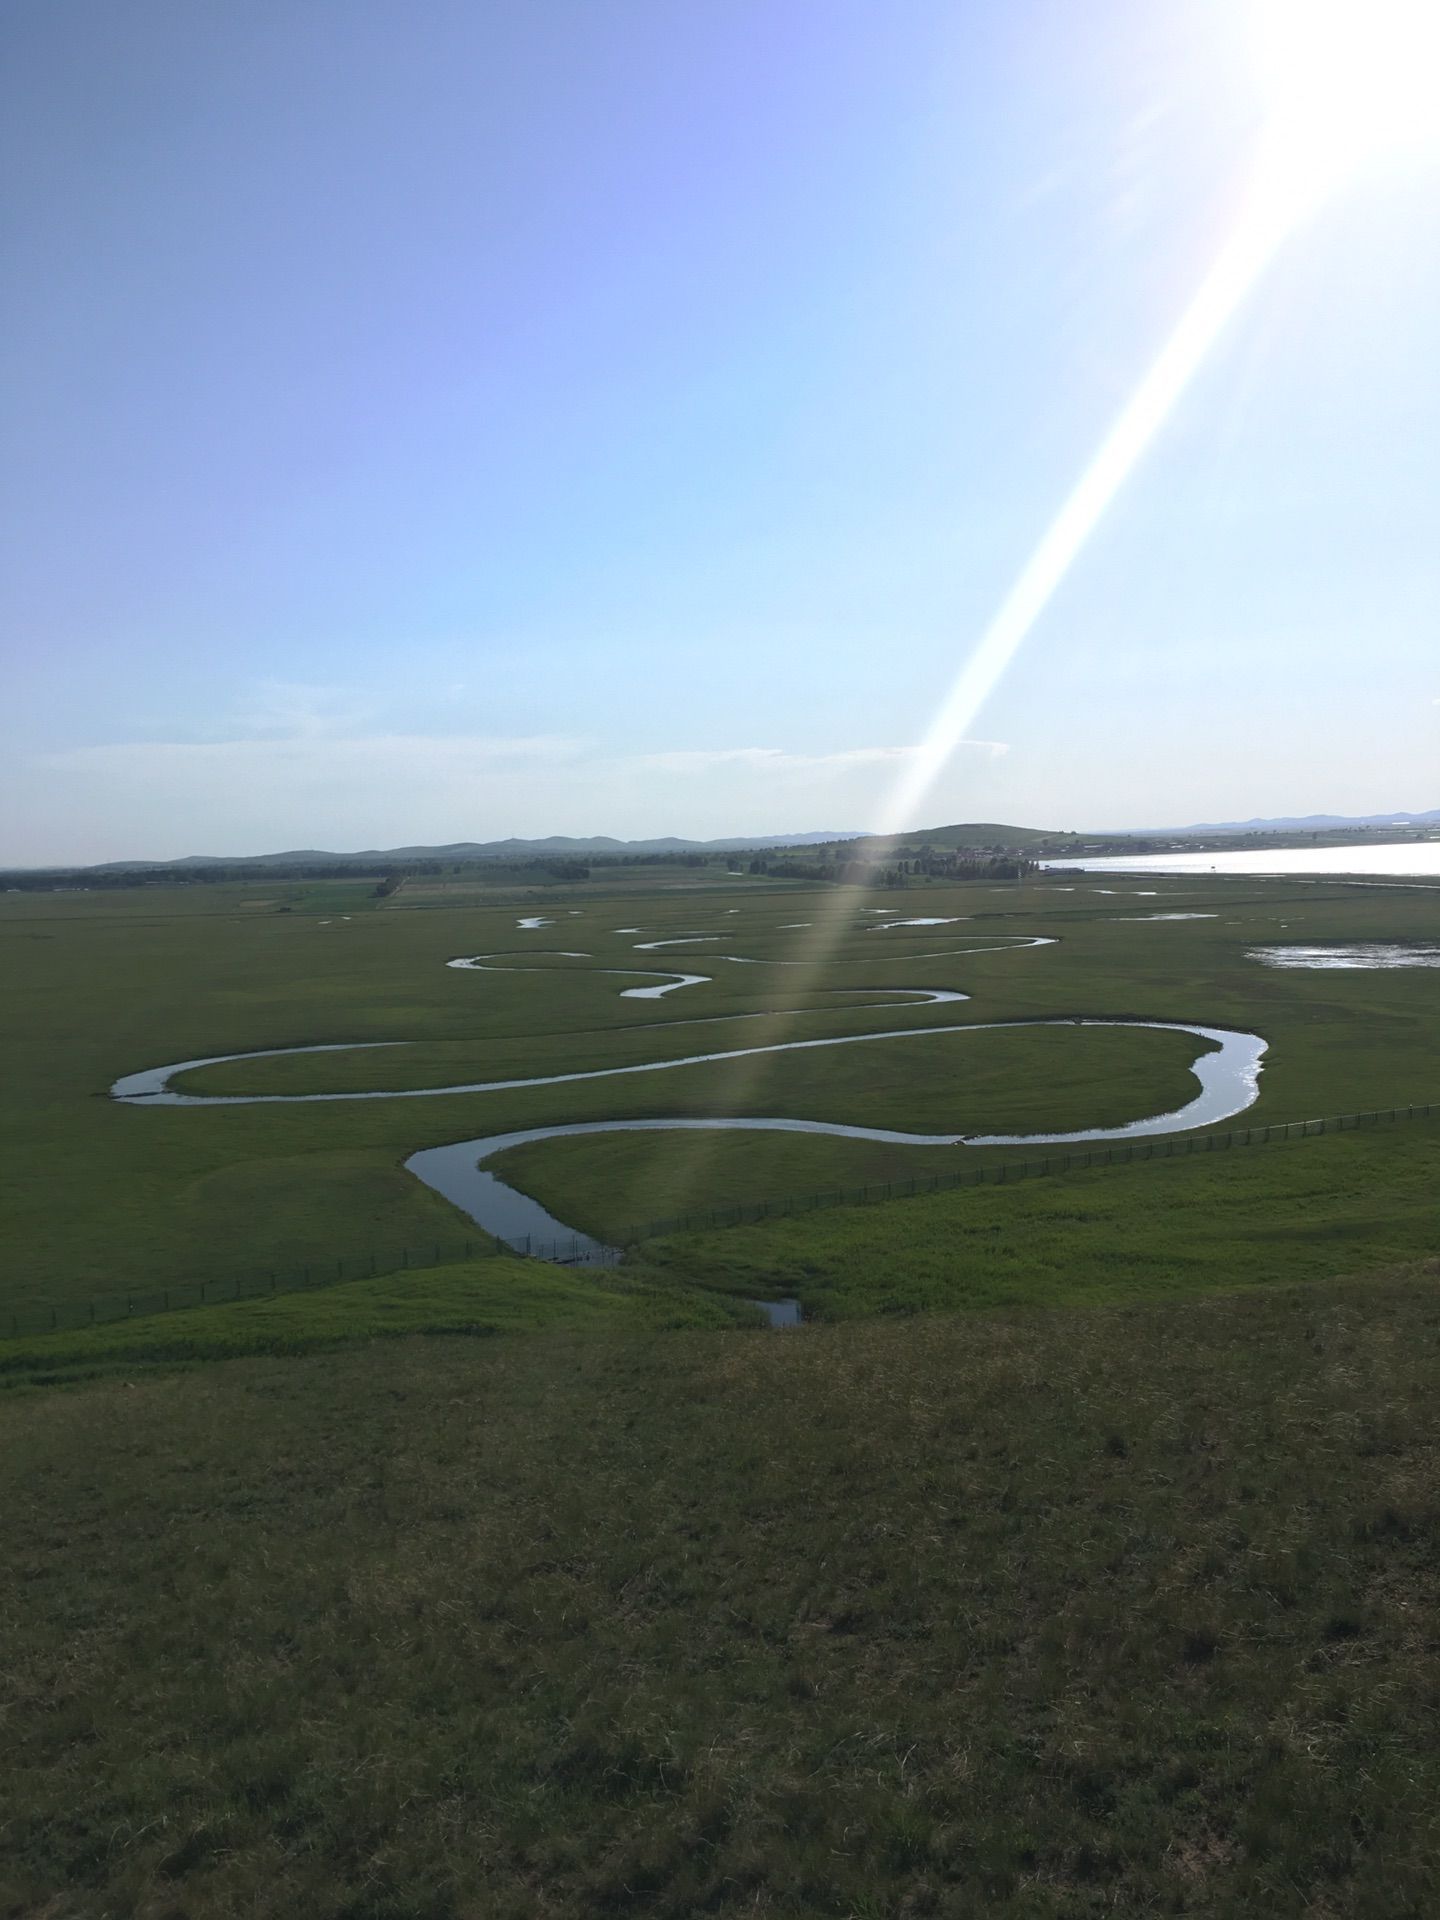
pixel 1226 1074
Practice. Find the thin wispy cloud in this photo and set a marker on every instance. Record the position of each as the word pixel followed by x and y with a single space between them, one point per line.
pixel 299 710
pixel 311 770
pixel 320 751
pixel 778 760
pixel 168 798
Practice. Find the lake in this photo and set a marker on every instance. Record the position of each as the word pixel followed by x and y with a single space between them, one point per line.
pixel 1414 857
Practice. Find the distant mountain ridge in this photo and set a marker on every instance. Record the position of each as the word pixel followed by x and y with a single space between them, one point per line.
pixel 979 835
pixel 511 849
pixel 1310 823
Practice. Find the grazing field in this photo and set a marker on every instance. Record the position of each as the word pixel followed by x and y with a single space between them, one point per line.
pixel 1085 1565
pixel 1302 1209
pixel 108 1198
pixel 478 1298
pixel 1029 1613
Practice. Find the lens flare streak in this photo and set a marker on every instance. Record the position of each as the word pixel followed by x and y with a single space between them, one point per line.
pixel 1269 212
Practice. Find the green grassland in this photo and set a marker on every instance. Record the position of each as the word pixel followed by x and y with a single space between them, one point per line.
pixel 1081 1557
pixel 106 1198
pixel 1302 1209
pixel 476 887
pixel 1307 1209
pixel 1121 1611
pixel 483 1297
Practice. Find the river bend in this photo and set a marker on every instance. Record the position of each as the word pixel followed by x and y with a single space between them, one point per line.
pixel 1226 1074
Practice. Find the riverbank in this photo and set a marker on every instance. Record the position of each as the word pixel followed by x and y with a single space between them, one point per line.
pixel 1165 1229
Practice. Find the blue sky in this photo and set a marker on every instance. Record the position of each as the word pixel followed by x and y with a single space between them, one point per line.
pixel 449 422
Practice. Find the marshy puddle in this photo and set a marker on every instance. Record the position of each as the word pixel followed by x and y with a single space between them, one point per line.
pixel 780 1313
pixel 499 963
pixel 1370 954
pixel 1167 916
pixel 890 925
pixel 535 920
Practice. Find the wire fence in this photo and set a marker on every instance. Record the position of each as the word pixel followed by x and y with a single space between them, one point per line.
pixel 221 1290
pixel 580 1250
pixel 999 1173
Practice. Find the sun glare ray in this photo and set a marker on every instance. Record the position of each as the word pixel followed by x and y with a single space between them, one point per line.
pixel 1268 214
pixel 1345 81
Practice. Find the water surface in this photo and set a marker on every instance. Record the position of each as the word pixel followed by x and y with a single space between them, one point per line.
pixel 1414 857
pixel 1228 1077
pixel 1369 954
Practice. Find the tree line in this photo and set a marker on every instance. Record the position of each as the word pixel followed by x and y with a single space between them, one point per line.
pixel 961 865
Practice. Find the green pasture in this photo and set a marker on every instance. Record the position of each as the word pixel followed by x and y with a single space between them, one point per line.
pixel 106 1198
pixel 480 1298
pixel 1302 1209
pixel 1305 1209
pixel 475 887
pixel 1091 1575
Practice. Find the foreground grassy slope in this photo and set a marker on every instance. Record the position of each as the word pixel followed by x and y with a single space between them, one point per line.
pixel 480 1298
pixel 1117 1612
